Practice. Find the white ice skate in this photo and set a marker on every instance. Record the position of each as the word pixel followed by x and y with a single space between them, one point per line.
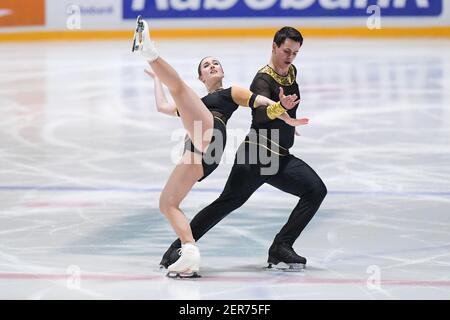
pixel 142 42
pixel 188 265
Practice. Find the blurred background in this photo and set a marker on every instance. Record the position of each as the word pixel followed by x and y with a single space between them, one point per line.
pixel 67 19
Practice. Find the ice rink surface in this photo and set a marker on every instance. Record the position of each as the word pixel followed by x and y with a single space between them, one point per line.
pixel 84 156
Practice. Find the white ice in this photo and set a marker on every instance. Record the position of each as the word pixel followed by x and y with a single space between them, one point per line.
pixel 84 155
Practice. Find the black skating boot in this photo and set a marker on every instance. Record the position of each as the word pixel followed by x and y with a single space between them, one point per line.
pixel 169 257
pixel 283 257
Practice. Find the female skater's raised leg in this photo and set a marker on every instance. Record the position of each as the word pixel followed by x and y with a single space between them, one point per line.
pixel 193 111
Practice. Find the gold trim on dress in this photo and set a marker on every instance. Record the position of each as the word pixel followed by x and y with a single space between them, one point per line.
pixel 220 120
pixel 267 139
pixel 248 100
pixel 254 101
pixel 261 145
pixel 284 81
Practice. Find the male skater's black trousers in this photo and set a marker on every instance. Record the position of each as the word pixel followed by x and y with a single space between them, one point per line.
pixel 294 176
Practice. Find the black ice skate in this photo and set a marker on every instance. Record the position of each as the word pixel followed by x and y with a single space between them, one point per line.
pixel 169 257
pixel 283 257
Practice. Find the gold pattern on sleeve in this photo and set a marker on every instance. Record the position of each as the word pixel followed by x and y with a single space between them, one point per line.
pixel 241 95
pixel 275 110
pixel 284 81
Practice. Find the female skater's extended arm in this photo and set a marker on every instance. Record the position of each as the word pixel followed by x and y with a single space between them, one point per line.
pixel 266 109
pixel 162 104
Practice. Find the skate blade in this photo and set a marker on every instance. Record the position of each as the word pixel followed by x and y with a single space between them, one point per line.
pixel 137 39
pixel 286 267
pixel 183 275
pixel 161 267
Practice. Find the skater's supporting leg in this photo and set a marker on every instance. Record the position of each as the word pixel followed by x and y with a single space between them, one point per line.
pixel 242 182
pixel 180 182
pixel 298 178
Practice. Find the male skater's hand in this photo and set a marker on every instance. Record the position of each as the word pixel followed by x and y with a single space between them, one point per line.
pixel 297 122
pixel 288 102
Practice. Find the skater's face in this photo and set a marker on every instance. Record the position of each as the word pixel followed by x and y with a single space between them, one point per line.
pixel 285 54
pixel 210 71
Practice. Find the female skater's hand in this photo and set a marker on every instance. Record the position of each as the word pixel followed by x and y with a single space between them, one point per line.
pixel 288 102
pixel 150 72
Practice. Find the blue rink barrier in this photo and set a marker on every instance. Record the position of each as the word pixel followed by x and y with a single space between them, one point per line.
pixel 277 8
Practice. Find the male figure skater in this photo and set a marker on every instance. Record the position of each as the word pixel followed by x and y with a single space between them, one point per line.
pixel 269 138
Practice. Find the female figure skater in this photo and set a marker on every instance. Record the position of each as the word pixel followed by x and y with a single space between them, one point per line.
pixel 203 149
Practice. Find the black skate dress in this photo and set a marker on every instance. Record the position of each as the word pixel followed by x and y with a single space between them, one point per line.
pixel 222 104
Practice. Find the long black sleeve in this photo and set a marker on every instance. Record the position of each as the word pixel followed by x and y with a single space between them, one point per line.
pixel 262 88
pixel 267 83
